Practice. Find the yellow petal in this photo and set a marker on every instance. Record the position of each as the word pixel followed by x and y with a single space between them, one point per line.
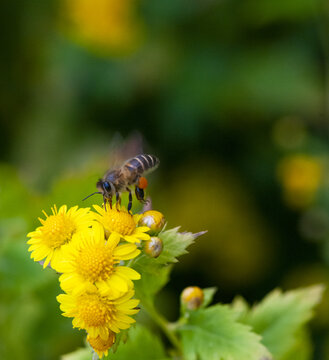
pixel 132 255
pixel 142 229
pixel 128 272
pixel 124 249
pixel 131 239
pixel 118 283
pixel 113 240
pixel 143 236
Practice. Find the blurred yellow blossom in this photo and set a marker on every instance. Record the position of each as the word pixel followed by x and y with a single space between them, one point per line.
pixel 105 26
pixel 300 176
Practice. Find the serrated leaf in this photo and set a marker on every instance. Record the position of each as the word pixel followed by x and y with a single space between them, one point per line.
pixel 175 244
pixel 280 316
pixel 141 345
pixel 213 334
pixel 208 296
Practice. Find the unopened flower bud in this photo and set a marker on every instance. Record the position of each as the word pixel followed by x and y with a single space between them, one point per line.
pixel 154 220
pixel 192 297
pixel 153 247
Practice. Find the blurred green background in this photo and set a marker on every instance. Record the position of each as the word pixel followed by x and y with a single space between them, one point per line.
pixel 232 96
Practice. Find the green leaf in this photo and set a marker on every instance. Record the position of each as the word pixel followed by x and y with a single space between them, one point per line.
pixel 175 244
pixel 141 345
pixel 302 347
pixel 280 316
pixel 213 334
pixel 208 296
pixel 240 307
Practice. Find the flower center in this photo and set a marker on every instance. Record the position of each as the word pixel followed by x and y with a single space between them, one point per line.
pixel 58 229
pixel 92 310
pixel 119 221
pixel 95 263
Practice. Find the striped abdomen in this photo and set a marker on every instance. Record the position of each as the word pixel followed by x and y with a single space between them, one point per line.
pixel 142 163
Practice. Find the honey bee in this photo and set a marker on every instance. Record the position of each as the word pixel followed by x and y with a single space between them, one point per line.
pixel 117 181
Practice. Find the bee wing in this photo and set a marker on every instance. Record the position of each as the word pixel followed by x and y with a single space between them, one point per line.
pixel 112 174
pixel 132 146
pixel 121 150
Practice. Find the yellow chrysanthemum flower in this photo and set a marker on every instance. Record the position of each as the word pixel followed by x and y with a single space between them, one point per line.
pixel 98 314
pixel 57 230
pixel 122 223
pixel 101 346
pixel 91 259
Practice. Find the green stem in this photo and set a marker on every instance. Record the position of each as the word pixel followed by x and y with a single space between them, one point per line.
pixel 165 326
pixel 159 319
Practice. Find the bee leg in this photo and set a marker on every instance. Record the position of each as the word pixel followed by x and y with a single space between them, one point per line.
pixel 118 200
pixel 139 194
pixel 110 202
pixel 130 200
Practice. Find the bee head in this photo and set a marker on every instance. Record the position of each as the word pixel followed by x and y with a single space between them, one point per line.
pixel 106 188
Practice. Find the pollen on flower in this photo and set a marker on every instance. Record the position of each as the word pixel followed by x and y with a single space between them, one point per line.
pixel 92 310
pixel 122 223
pixel 95 263
pixel 57 230
pixel 119 221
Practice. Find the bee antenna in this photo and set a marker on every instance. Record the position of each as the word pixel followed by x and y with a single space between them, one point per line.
pixel 96 192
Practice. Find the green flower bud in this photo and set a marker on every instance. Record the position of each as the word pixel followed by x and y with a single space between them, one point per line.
pixel 192 297
pixel 153 247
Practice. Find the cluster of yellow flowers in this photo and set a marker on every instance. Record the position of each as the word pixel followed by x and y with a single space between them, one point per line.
pixel 88 248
